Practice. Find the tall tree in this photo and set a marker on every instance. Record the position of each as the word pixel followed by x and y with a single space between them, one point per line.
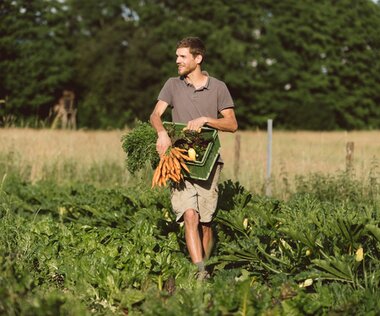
pixel 321 62
pixel 307 64
pixel 35 62
pixel 112 75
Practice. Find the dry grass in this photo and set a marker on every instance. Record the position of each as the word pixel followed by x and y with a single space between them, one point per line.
pixel 299 153
pixel 37 152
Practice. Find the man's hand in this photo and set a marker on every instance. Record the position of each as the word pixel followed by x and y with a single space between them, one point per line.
pixel 163 142
pixel 196 124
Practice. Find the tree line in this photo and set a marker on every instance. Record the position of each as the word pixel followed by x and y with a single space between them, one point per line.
pixel 306 64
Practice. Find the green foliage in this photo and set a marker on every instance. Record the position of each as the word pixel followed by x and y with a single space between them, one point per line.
pixel 36 62
pixel 313 236
pixel 140 146
pixel 101 52
pixel 308 65
pixel 77 249
pixel 186 139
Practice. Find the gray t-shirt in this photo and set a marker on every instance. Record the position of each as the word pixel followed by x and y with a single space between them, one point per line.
pixel 188 103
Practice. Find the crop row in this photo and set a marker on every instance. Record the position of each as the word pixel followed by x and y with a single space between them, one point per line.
pixel 78 249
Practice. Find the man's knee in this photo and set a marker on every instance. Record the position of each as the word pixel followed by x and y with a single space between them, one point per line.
pixel 191 217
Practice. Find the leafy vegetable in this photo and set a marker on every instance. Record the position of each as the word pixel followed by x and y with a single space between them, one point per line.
pixel 82 250
pixel 140 147
pixel 140 144
pixel 186 139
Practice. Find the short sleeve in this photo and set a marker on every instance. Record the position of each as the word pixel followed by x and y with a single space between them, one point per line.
pixel 166 92
pixel 224 98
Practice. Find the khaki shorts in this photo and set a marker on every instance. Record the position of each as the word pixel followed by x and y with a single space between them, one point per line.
pixel 199 195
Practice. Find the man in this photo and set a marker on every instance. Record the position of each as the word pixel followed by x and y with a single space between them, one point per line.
pixel 197 100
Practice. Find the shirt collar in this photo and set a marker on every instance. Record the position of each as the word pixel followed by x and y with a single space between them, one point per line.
pixel 206 86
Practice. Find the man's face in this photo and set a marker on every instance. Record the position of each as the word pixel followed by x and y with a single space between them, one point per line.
pixel 186 62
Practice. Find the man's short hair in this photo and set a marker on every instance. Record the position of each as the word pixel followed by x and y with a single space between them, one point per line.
pixel 195 45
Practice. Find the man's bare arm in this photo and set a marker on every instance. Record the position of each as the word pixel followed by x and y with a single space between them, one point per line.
pixel 163 141
pixel 227 123
pixel 155 117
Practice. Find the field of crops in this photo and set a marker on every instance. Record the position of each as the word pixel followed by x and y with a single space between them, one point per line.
pixel 97 243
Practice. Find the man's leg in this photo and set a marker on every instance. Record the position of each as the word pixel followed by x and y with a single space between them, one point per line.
pixel 193 240
pixel 207 202
pixel 207 239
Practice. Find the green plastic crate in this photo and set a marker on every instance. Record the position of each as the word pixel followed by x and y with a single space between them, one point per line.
pixel 200 170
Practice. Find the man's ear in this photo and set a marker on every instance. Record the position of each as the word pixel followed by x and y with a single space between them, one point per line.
pixel 198 59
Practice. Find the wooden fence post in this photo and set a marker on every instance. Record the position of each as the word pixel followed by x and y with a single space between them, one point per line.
pixel 349 156
pixel 268 182
pixel 237 156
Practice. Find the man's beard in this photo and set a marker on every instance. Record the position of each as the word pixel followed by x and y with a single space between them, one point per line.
pixel 184 71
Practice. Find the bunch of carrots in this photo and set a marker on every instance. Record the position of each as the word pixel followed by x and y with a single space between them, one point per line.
pixel 170 167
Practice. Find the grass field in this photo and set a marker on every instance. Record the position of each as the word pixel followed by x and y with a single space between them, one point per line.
pixel 98 156
pixel 90 239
